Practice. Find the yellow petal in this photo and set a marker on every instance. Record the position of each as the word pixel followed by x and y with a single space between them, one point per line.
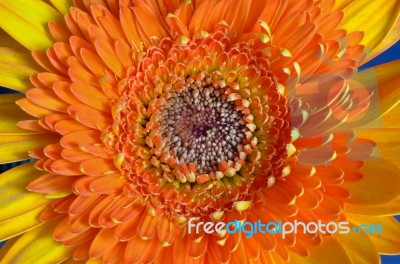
pixel 11 114
pixel 16 67
pixel 388 141
pixel 388 83
pixel 389 241
pixel 62 5
pixel 389 208
pixel 380 184
pixel 376 19
pixel 384 82
pixel 392 118
pixel 15 147
pixel 341 4
pixel 94 261
pixel 9 42
pixel 7 246
pixel 21 224
pixel 15 200
pixel 359 247
pixel 330 249
pixel 26 21
pixel 391 38
pixel 37 246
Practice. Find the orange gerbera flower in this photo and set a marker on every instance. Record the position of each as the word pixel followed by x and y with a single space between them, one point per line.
pixel 144 114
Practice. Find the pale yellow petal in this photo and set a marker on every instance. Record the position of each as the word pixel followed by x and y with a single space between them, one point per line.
pixel 26 21
pixel 37 246
pixel 21 224
pixel 387 242
pixel 377 19
pixel 15 200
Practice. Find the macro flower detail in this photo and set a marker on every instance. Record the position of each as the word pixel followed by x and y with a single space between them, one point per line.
pixel 141 115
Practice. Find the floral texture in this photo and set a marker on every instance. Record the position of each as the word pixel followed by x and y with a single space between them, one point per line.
pixel 143 114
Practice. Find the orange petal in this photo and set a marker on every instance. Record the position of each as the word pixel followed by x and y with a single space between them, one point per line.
pixel 98 167
pixel 104 241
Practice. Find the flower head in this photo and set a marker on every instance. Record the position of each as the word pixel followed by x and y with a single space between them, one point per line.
pixel 142 115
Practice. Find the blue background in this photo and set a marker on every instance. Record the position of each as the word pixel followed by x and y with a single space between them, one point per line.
pixel 391 54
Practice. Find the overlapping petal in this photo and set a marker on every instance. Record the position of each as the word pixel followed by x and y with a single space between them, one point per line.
pixel 113 183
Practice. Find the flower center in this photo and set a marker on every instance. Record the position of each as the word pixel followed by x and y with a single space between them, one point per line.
pixel 203 128
pixel 200 126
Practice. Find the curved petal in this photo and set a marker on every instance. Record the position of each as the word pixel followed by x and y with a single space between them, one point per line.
pixel 382 84
pixel 341 4
pixel 15 147
pixel 37 246
pixel 377 20
pixel 380 184
pixel 359 247
pixel 386 209
pixel 387 242
pixel 62 5
pixel 388 82
pixel 388 142
pixel 26 21
pixel 330 248
pixel 15 200
pixel 16 67
pixel 11 114
pixel 9 42
pixel 21 224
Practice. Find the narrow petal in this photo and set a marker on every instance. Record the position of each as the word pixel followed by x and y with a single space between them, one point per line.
pixel 341 4
pixel 15 147
pixel 376 20
pixel 11 114
pixel 62 5
pixel 27 22
pixel 388 142
pixel 380 184
pixel 388 240
pixel 9 42
pixel 389 208
pixel 15 200
pixel 98 167
pixel 359 247
pixel 89 117
pixel 21 224
pixel 37 246
pixel 16 67
pixel 330 248
pixel 104 241
pixel 383 80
